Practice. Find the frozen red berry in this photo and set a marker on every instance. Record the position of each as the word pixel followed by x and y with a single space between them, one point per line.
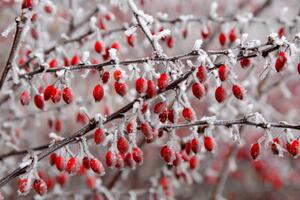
pixel 201 74
pixel 255 150
pixel 99 136
pixel 220 94
pixel 122 144
pixel 209 143
pixel 222 38
pixel 140 85
pixel 238 92
pixel 39 101
pixel 198 90
pixel 25 98
pixel 187 114
pixel 280 61
pixel 245 62
pixel 98 92
pixel 67 95
pixel 162 81
pixel 96 166
pixel 120 88
pixel 223 72
pixel 98 46
pixel 151 89
pixel 232 35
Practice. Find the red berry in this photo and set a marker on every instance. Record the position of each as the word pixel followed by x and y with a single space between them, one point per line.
pixel 178 159
pixel 193 162
pixel 195 146
pixel 185 33
pixel 167 154
pixel 220 94
pixel 144 108
pixel 274 146
pixel 146 129
pixel 98 46
pixel 117 74
pixel 293 147
pixel 208 143
pixel 99 136
pixel 48 9
pixel 129 128
pixel 53 158
pixel 232 35
pixel 105 77
pixel 201 74
pixel 120 88
pixel 59 162
pixel 98 92
pixel 39 101
pixel 115 45
pixel 27 4
pixel 53 63
pixel 159 107
pixel 81 118
pixel 129 160
pixel 61 179
pixel 71 165
pixel 137 155
pixel 163 116
pixel 255 150
pixel 206 32
pixel 91 182
pixel 222 38
pixel 298 68
pixel 22 184
pixel 151 89
pixel 280 61
pixel 130 40
pixel 245 62
pixel 238 92
pixel 198 90
pixel 97 166
pixel 75 60
pixel 122 144
pixel 119 161
pixel 25 98
pixel 49 92
pixel 223 72
pixel 110 158
pixel 140 85
pixel 86 162
pixel 67 95
pixel 57 125
pixel 171 116
pixel 56 96
pixel 170 42
pixel 281 32
pixel 187 114
pixel 162 81
pixel 66 61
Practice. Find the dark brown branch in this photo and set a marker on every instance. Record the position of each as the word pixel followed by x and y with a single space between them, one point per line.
pixel 228 123
pixel 20 24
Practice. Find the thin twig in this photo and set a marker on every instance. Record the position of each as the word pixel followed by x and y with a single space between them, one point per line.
pixel 20 24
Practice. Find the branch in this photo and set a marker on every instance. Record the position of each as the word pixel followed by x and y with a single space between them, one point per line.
pixel 92 125
pixel 227 123
pixel 20 23
pixel 254 53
